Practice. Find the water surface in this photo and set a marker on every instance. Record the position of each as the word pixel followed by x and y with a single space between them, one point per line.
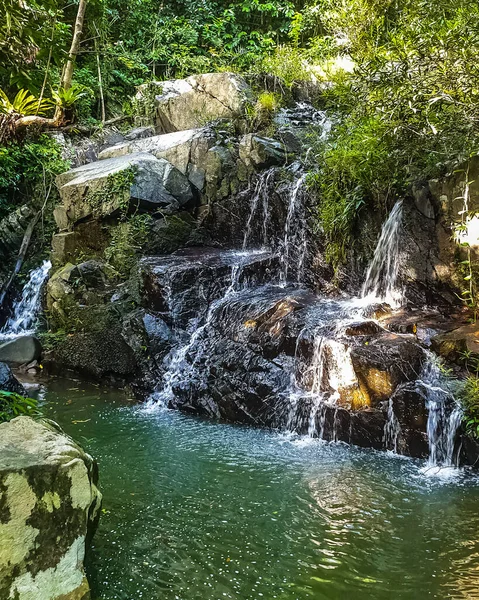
pixel 199 510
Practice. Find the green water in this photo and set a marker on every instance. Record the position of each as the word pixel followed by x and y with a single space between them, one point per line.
pixel 197 510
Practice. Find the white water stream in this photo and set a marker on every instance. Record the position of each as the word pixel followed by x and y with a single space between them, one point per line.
pixel 26 308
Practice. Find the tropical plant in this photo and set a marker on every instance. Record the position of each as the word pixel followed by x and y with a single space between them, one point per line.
pixel 469 398
pixel 66 98
pixel 14 405
pixel 23 104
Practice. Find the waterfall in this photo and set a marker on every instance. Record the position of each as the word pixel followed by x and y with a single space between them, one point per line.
pixel 179 368
pixel 25 310
pixel 381 277
pixel 444 416
pixel 294 233
pixel 260 195
pixel 392 429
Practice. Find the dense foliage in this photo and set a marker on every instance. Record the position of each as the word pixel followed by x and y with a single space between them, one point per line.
pixel 400 77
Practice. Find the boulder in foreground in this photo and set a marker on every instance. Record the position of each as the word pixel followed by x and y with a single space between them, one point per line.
pixel 49 506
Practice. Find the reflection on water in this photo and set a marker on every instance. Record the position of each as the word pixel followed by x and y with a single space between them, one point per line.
pixel 197 510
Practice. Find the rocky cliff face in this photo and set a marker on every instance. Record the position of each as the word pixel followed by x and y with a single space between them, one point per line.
pixel 49 506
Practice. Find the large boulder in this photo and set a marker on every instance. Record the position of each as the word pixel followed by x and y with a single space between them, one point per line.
pixel 21 350
pixel 188 151
pixel 49 506
pixel 183 104
pixel 169 284
pixel 105 187
pixel 97 354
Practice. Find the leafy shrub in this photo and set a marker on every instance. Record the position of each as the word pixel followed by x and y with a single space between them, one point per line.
pixel 469 398
pixel 26 165
pixel 14 405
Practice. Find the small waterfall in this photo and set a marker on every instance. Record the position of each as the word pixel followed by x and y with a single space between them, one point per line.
pixel 442 426
pixel 331 372
pixel 392 429
pixel 25 310
pixel 260 196
pixel 294 241
pixel 444 416
pixel 381 277
pixel 179 368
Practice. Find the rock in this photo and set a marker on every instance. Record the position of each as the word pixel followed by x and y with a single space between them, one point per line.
pixel 49 507
pixel 260 152
pixel 97 354
pixel 242 386
pixel 363 328
pixel 385 363
pixel 21 350
pixel 454 345
pixel 409 405
pixel 8 383
pixel 98 190
pixel 179 275
pixel 192 102
pixel 162 146
pixel 169 234
pixel 185 150
pixel 139 133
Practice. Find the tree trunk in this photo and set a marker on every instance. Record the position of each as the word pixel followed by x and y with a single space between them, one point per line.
pixel 67 74
pixel 21 256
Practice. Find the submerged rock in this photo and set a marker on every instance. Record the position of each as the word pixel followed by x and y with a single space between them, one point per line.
pixel 49 508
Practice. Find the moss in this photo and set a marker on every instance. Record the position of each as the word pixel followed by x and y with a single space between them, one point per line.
pixel 170 234
pixel 117 187
pixel 127 240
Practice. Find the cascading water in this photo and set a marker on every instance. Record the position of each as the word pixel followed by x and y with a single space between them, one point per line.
pixel 294 245
pixel 392 429
pixel 25 310
pixel 321 385
pixel 260 196
pixel 180 368
pixel 381 277
pixel 444 418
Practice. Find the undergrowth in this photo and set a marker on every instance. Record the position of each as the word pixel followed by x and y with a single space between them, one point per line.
pixel 14 405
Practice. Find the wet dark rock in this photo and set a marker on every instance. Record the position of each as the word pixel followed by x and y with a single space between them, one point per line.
pixel 367 429
pixel 363 328
pixel 409 404
pixel 8 382
pixel 234 383
pixel 187 282
pixel 385 363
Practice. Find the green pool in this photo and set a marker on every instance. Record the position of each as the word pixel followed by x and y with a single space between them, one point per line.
pixel 199 510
